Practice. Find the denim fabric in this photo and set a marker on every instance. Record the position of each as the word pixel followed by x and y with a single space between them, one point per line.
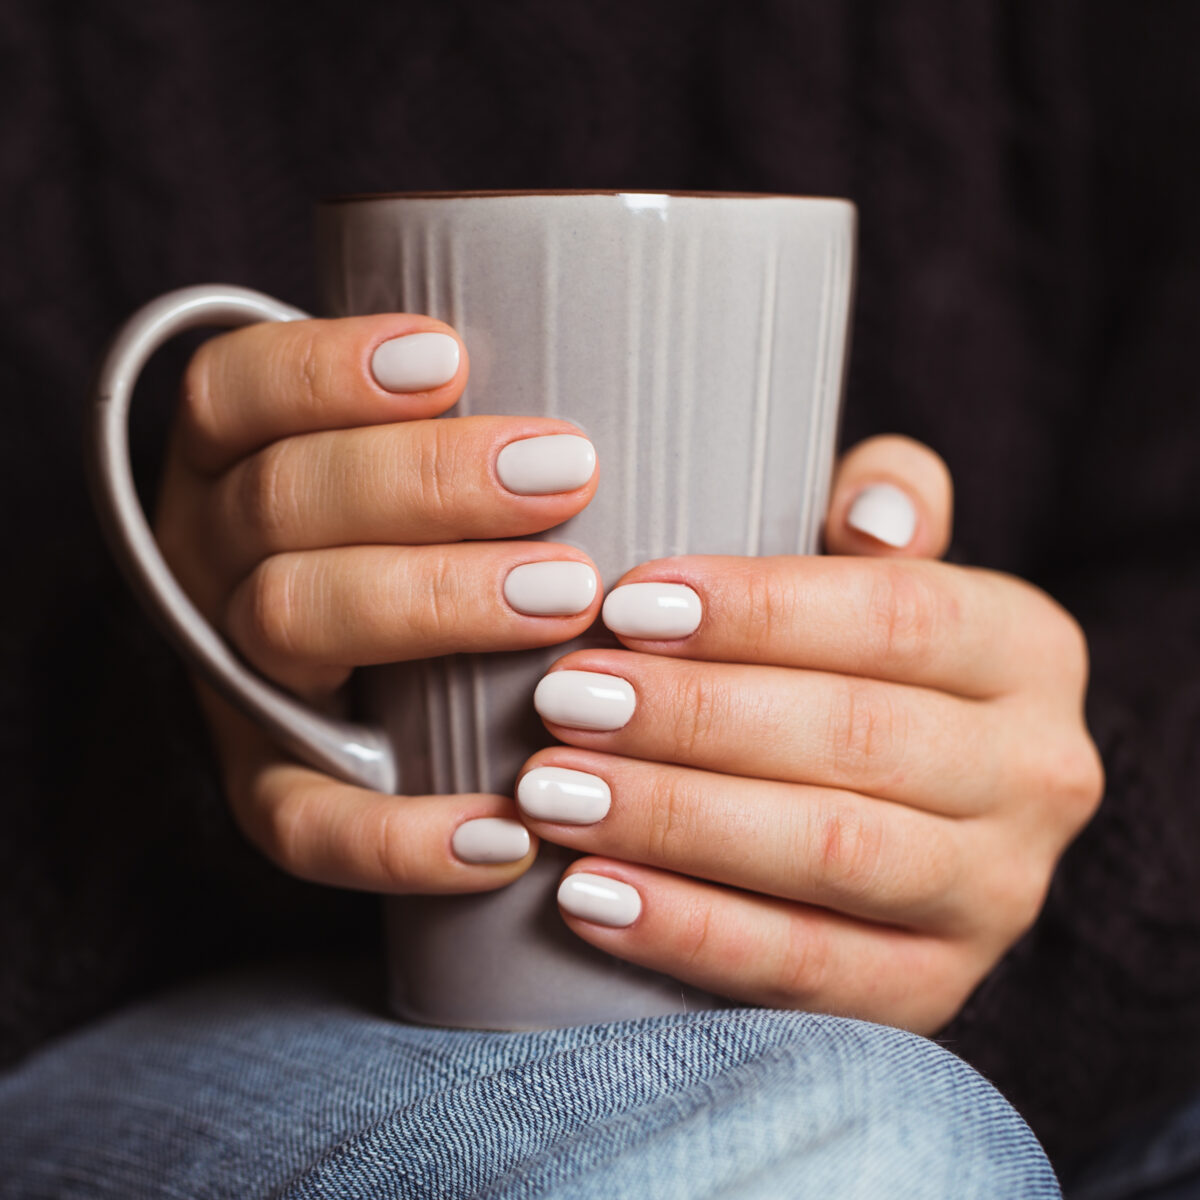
pixel 284 1083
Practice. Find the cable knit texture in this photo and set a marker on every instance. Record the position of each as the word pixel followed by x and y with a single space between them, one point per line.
pixel 1029 305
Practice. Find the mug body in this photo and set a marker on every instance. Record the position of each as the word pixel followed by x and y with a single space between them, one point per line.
pixel 699 341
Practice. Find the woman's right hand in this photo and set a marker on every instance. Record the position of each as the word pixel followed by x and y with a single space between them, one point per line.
pixel 323 520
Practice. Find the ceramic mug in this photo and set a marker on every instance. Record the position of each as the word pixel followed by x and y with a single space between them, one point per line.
pixel 700 343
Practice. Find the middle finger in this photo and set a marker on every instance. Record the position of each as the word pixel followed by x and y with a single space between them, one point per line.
pixel 418 482
pixel 909 744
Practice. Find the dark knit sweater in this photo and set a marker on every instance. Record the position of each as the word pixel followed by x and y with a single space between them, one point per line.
pixel 1029 305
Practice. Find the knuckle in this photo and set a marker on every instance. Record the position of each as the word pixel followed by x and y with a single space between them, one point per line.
pixel 849 850
pixel 279 824
pixel 197 416
pixel 438 465
pixel 699 703
pixel 310 366
pixel 867 730
pixel 1072 648
pixel 1019 895
pixel 435 595
pixel 267 496
pixel 803 969
pixel 672 823
pixel 775 606
pixel 391 840
pixel 1071 776
pixel 696 935
pixel 905 616
pixel 268 609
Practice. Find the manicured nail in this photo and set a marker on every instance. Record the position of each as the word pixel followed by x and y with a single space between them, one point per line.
pixel 652 610
pixel 551 589
pixel 600 899
pixel 568 797
pixel 415 362
pixel 585 700
pixel 541 466
pixel 885 513
pixel 490 840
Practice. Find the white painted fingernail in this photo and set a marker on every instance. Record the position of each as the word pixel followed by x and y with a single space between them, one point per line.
pixel 600 899
pixel 490 840
pixel 415 362
pixel 568 797
pixel 541 466
pixel 585 700
pixel 551 589
pixel 652 610
pixel 885 513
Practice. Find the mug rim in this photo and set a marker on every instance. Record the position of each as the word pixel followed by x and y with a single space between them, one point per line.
pixel 488 194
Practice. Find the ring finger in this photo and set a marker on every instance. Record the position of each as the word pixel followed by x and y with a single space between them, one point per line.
pixel 416 482
pixel 892 741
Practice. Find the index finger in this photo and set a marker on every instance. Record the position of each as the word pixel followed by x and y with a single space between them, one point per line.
pixel 256 385
pixel 970 632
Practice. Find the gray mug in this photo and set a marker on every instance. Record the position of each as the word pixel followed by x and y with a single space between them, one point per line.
pixel 698 340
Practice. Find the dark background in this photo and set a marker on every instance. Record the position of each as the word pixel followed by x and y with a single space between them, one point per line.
pixel 1029 305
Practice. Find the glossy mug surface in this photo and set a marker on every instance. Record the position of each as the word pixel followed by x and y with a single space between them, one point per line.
pixel 700 342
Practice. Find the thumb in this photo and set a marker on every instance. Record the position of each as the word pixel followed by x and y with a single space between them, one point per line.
pixel 892 498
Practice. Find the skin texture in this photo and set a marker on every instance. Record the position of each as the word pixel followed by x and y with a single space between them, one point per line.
pixel 846 791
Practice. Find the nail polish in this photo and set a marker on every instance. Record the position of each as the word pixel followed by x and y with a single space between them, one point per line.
pixel 585 700
pixel 551 589
pixel 415 362
pixel 541 466
pixel 490 840
pixel 565 796
pixel 652 610
pixel 600 899
pixel 884 512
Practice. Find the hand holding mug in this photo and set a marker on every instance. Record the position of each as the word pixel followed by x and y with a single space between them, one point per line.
pixel 845 782
pixel 322 520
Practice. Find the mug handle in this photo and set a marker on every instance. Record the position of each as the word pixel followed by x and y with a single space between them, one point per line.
pixel 354 753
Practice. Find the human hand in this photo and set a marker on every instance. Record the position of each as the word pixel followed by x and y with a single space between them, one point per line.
pixel 317 515
pixel 845 791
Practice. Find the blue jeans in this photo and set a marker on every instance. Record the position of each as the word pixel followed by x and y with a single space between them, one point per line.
pixel 286 1083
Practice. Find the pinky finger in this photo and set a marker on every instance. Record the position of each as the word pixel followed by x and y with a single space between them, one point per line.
pixel 329 832
pixel 759 950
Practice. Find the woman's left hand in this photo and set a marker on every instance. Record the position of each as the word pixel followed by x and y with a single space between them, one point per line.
pixel 840 784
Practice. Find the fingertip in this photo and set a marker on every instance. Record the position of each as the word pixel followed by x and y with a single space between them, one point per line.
pixel 593 895
pixel 884 512
pixel 892 497
pixel 419 359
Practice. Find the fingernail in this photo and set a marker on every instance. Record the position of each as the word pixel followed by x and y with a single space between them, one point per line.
pixel 415 362
pixel 885 513
pixel 585 700
pixel 541 466
pixel 568 797
pixel 600 899
pixel 551 589
pixel 652 610
pixel 490 840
